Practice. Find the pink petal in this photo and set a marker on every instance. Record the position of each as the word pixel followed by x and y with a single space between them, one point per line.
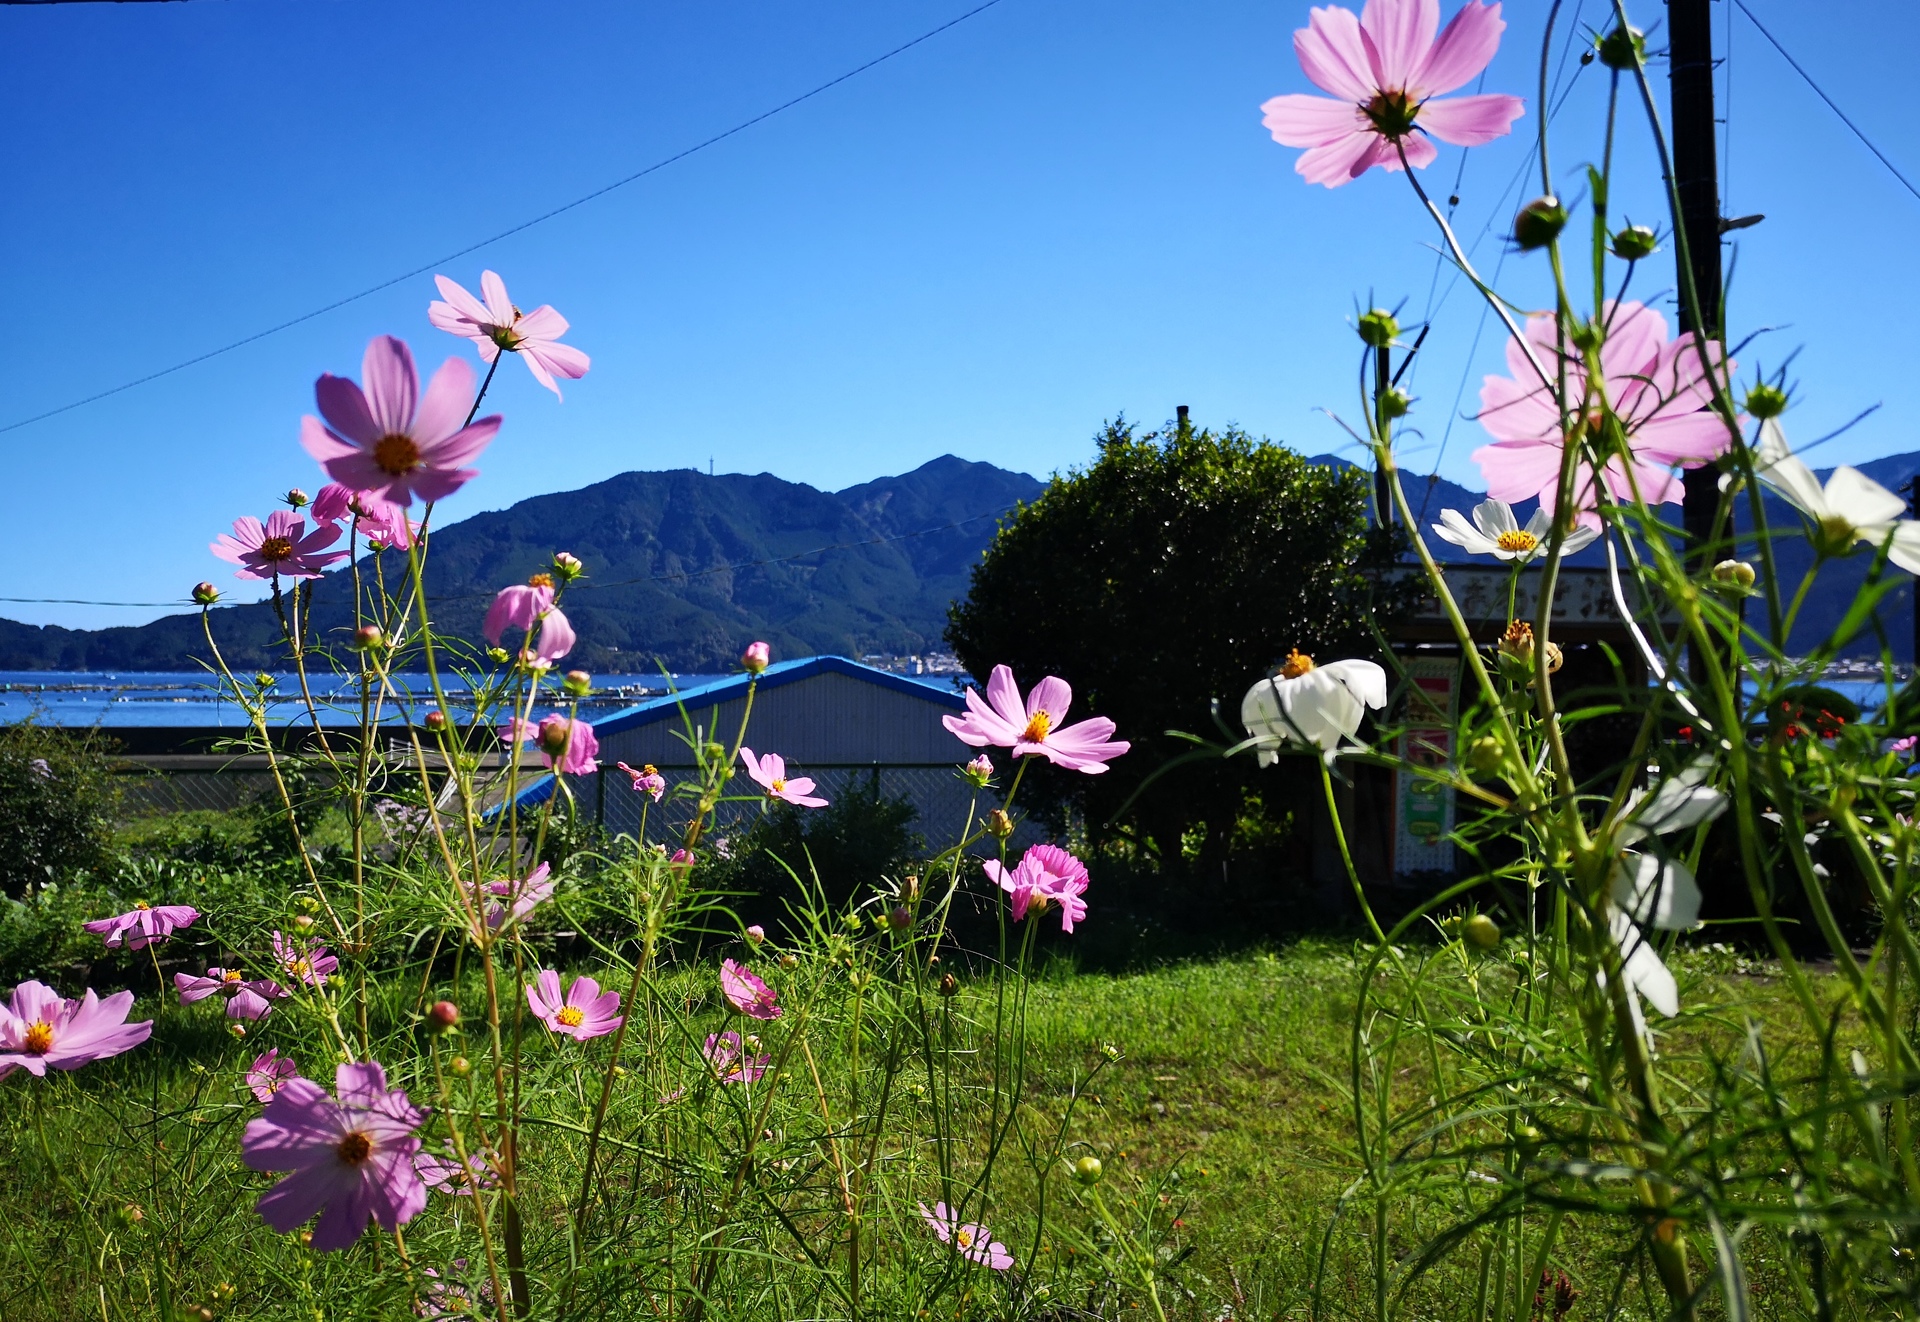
pixel 1299 120
pixel 463 445
pixel 391 386
pixel 561 359
pixel 1003 698
pixel 543 323
pixel 1511 411
pixel 444 408
pixel 1401 33
pixel 1332 54
pixel 1463 50
pixel 1051 695
pixel 437 483
pixel 347 1214
pixel 1469 121
pixel 1516 470
pixel 345 408
pixel 539 370
pixel 463 303
pixel 1691 438
pixel 584 992
pixel 1333 164
pixel 499 306
pixel 290 1203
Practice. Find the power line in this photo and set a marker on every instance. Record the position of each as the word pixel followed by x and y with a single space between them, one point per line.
pixel 1892 169
pixel 741 127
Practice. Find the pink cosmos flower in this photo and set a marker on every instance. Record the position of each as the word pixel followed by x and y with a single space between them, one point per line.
pixel 351 1158
pixel 143 925
pixel 523 607
pixel 756 658
pixel 390 441
pixel 647 780
pixel 246 999
pixel 770 773
pixel 730 1060
pixel 443 1171
pixel 586 1012
pixel 376 519
pixel 1384 70
pixel 756 933
pixel 445 1299
pixel 269 1072
pixel 1655 386
pixel 281 548
pixel 1904 747
pixel 746 993
pixel 973 1242
pixel 569 746
pixel 1045 876
pixel 41 1028
pixel 497 324
pixel 525 895
pixel 310 964
pixel 1038 727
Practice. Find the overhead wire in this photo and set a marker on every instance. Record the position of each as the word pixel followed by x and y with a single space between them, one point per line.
pixel 540 219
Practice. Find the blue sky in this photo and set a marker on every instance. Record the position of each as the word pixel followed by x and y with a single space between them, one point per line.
pixel 1055 212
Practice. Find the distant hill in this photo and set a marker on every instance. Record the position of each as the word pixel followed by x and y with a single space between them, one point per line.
pixel 684 569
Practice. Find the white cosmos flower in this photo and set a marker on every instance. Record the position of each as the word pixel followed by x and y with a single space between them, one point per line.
pixel 1646 975
pixel 1851 508
pixel 1309 704
pixel 1495 532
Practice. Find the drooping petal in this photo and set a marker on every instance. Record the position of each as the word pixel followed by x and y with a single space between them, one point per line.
pixel 1333 164
pixel 1860 500
pixel 1300 120
pixel 1469 121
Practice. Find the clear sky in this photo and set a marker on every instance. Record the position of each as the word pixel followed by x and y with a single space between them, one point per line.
pixel 1057 211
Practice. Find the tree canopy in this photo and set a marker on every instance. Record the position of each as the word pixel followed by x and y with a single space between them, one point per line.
pixel 1176 569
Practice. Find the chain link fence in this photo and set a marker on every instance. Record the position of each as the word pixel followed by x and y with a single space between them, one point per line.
pixel 157 792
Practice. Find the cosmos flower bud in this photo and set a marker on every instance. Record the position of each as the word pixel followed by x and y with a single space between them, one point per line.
pixel 436 720
pixel 756 934
pixel 443 1016
pixel 1087 1170
pixel 1481 931
pixel 949 985
pixel 205 594
pixel 578 683
pixel 368 638
pixel 460 1065
pixel 900 918
pixel 978 772
pixel 1634 243
pixel 1378 328
pixel 789 961
pixel 1395 403
pixel 999 825
pixel 1765 401
pixel 296 498
pixel 1485 754
pixel 1516 645
pixel 303 922
pixel 237 1028
pixel 756 658
pixel 567 566
pixel 855 922
pixel 1734 578
pixel 497 655
pixel 1539 223
pixel 1624 48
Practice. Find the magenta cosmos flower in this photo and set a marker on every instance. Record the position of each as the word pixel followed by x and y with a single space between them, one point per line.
pixel 1046 875
pixel 376 519
pixel 770 773
pixel 1038 726
pixel 246 998
pixel 523 896
pixel 443 1171
pixel 351 1158
pixel 1655 386
pixel 586 1012
pixel 528 607
pixel 730 1060
pixel 40 1028
pixel 746 993
pixel 269 1073
pixel 973 1242
pixel 1384 70
pixel 569 746
pixel 390 441
pixel 143 925
pixel 280 548
pixel 497 324
pixel 647 780
pixel 310 965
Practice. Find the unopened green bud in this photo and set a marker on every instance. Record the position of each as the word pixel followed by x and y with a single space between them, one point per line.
pixel 1734 577
pixel 1623 48
pixel 205 594
pixel 1481 931
pixel 1765 401
pixel 1087 1170
pixel 460 1065
pixel 1634 243
pixel 949 985
pixel 1485 754
pixel 1378 328
pixel 1539 223
pixel 1394 403
pixel 499 655
pixel 567 566
pixel 999 825
pixel 368 638
pixel 578 683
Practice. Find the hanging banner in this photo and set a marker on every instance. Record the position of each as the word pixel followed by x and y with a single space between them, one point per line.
pixel 1423 809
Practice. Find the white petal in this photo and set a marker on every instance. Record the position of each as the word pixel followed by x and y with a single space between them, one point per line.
pixel 1681 801
pixel 1860 500
pixel 1655 891
pixel 1579 539
pixel 1453 528
pixel 1364 679
pixel 1645 973
pixel 1905 551
pixel 1494 517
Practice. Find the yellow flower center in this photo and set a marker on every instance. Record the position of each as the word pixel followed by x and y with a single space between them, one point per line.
pixel 276 548
pixel 779 787
pixel 299 968
pixel 1039 726
pixel 39 1037
pixel 1297 664
pixel 231 975
pixel 396 454
pixel 964 1238
pixel 648 770
pixel 1518 540
pixel 571 1016
pixel 141 904
pixel 354 1148
pixel 540 581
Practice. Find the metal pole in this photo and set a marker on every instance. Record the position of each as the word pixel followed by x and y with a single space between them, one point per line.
pixel 1696 177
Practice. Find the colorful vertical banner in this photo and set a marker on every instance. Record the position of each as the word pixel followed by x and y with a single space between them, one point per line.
pixel 1423 809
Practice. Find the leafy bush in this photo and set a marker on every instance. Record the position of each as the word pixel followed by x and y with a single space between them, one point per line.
pixel 56 806
pixel 859 839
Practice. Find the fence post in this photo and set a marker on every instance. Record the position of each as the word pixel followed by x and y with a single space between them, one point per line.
pixel 600 797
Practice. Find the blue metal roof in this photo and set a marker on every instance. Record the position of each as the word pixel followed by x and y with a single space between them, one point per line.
pixel 774 676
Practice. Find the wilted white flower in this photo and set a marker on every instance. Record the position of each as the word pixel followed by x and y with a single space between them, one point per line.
pixel 1309 704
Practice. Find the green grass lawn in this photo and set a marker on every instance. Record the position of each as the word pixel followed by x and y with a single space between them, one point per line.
pixel 1217 1105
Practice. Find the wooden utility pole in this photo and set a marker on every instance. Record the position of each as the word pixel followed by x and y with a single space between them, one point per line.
pixel 1696 177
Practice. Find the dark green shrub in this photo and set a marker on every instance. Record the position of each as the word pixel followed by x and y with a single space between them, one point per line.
pixel 56 806
pixel 860 838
